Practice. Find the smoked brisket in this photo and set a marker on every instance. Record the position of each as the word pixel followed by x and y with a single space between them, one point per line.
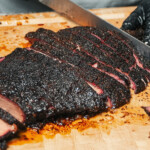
pixel 75 71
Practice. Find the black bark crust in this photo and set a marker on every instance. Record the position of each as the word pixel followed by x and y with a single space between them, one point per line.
pixel 4 115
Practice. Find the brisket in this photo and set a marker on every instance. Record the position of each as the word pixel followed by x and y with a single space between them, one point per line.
pixel 76 71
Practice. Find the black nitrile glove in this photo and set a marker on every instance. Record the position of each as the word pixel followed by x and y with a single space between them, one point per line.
pixel 140 18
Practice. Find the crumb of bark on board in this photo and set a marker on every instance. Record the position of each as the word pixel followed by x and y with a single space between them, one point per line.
pixel 26 17
pixel 19 23
pixel 41 24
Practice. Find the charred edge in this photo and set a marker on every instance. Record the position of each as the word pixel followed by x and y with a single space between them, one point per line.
pixel 13 108
pixel 5 136
pixel 4 115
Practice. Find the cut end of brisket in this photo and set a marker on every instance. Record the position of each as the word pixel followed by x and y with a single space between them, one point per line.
pixel 12 108
pixel 6 129
pixel 147 110
pixel 1 59
pixel 7 117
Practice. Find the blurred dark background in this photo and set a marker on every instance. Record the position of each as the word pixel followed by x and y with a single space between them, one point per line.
pixel 30 6
pixel 21 6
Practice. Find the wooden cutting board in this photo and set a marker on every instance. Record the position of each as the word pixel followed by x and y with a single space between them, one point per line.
pixel 126 128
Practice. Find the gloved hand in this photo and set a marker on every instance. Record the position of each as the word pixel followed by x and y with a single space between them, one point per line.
pixel 140 18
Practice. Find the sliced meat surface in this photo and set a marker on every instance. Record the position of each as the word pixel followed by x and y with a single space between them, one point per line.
pixel 110 59
pixel 11 107
pixel 6 129
pixel 7 117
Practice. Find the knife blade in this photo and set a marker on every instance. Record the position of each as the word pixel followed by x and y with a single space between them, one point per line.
pixel 86 18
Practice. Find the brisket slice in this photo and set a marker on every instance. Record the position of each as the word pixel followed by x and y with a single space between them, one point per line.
pixel 7 117
pixel 6 129
pixel 147 110
pixel 9 106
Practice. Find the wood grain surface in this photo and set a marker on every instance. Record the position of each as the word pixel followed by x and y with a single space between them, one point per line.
pixel 126 128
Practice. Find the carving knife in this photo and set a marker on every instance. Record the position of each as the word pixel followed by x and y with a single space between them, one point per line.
pixel 86 18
